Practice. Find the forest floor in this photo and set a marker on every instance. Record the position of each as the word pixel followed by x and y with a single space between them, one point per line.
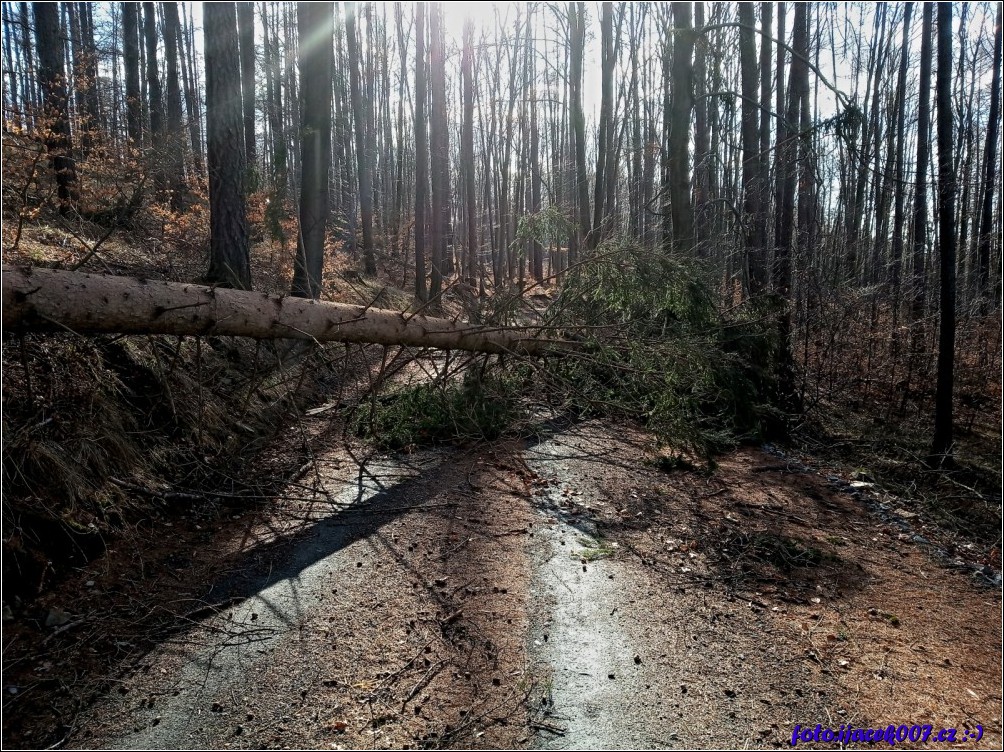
pixel 564 591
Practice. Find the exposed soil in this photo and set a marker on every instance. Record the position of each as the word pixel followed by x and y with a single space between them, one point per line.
pixel 566 592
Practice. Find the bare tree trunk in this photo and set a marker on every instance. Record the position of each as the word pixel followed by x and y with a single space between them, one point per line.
pixel 798 92
pixel 29 82
pixel 753 215
pixel 315 23
pixel 577 36
pixel 362 126
pixel 986 234
pixel 899 198
pixel 941 446
pixel 440 157
pixel 10 69
pixel 276 210
pixel 229 255
pixel 920 189
pixel 606 125
pixel 682 104
pixel 189 74
pixel 36 299
pixel 245 29
pixel 174 137
pixel 702 136
pixel 49 45
pixel 467 65
pixel 421 152
pixel 153 77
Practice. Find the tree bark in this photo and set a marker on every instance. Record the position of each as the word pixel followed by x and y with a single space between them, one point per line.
pixel 315 22
pixel 440 157
pixel 986 236
pixel 753 187
pixel 421 153
pixel 702 136
pixel 606 125
pixel 131 55
pixel 899 197
pixel 918 292
pixel 362 126
pixel 174 137
pixel 681 106
pixel 941 446
pixel 152 74
pixel 229 255
pixel 58 143
pixel 245 29
pixel 189 75
pixel 36 299
pixel 470 200
pixel 577 37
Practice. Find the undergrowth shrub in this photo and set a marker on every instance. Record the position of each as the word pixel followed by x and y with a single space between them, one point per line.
pixel 658 349
pixel 483 405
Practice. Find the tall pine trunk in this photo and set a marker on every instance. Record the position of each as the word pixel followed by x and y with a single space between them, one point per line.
pixel 58 143
pixel 315 24
pixel 229 262
pixel 986 235
pixel 245 30
pixel 941 446
pixel 421 152
pixel 362 125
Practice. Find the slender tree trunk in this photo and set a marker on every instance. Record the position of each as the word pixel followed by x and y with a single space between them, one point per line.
pixel 154 96
pixel 986 234
pixel 753 215
pixel 766 20
pixel 362 126
pixel 536 249
pixel 606 125
pixel 682 104
pixel 80 124
pixel 17 103
pixel 920 189
pixel 440 157
pixel 152 73
pixel 245 29
pixel 174 136
pixel 52 74
pixel 229 254
pixel 315 24
pixel 899 198
pixel 941 446
pixel 467 66
pixel 421 152
pixel 189 74
pixel 798 92
pixel 702 136
pixel 577 36
pixel 130 54
pixel 781 137
pixel 276 210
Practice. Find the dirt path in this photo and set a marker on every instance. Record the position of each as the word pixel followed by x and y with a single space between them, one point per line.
pixel 568 593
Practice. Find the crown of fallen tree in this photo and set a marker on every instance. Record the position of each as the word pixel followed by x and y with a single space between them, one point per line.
pixel 39 299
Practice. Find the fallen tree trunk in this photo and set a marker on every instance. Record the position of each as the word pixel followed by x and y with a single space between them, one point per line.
pixel 37 299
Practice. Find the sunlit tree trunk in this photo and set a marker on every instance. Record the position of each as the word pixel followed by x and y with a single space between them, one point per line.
pixel 315 22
